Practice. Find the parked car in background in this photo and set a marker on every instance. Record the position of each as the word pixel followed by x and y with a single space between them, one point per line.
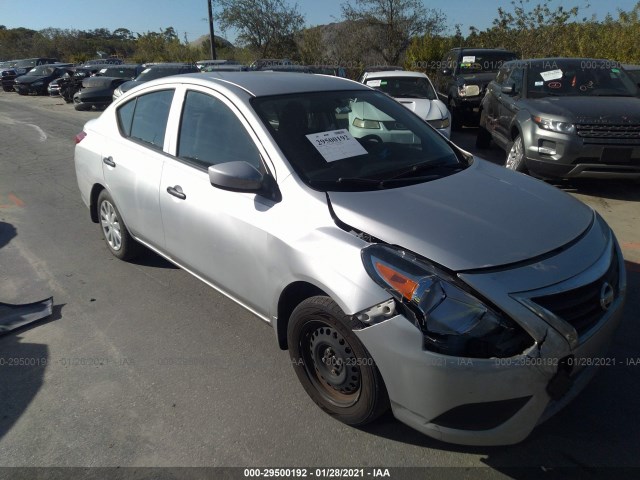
pixel 469 298
pixel 234 67
pixel 462 79
pixel 203 64
pixel 414 91
pixel 37 79
pixel 70 83
pixel 7 70
pixel 564 118
pixel 104 61
pixel 333 70
pixel 97 91
pixel 158 70
pixel 22 67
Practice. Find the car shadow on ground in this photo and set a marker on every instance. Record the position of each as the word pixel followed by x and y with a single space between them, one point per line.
pixel 149 258
pixel 599 428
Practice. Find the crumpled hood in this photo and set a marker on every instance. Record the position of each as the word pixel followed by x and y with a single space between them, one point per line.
pixel 588 109
pixel 424 108
pixel 101 82
pixel 484 216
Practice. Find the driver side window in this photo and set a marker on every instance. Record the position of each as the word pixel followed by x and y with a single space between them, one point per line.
pixel 210 133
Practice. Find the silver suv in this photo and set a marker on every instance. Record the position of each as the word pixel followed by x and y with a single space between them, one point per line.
pixel 399 271
pixel 564 118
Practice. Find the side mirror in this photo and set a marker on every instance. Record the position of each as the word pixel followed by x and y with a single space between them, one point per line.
pixel 243 177
pixel 508 89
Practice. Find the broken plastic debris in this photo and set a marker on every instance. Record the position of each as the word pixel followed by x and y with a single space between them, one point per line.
pixel 16 316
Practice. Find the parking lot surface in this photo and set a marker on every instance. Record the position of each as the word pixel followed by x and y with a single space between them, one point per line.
pixel 143 365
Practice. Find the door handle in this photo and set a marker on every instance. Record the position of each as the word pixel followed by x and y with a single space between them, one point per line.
pixel 109 161
pixel 176 192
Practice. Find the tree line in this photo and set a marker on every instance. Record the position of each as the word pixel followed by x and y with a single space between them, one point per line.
pixel 370 32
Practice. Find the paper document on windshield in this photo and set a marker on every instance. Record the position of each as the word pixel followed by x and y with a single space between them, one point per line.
pixel 336 145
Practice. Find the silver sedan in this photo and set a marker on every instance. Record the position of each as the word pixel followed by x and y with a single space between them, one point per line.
pixel 471 300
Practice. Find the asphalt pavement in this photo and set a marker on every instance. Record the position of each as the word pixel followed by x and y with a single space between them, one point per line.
pixel 142 364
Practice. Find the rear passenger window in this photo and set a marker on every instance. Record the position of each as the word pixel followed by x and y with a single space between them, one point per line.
pixel 210 133
pixel 145 117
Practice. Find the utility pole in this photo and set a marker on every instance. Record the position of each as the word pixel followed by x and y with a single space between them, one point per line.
pixel 212 41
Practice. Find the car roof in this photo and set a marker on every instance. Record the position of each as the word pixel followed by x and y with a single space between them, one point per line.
pixel 261 84
pixel 395 73
pixel 158 66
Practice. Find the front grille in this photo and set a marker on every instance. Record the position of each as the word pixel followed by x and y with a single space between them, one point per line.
pixel 581 307
pixel 599 130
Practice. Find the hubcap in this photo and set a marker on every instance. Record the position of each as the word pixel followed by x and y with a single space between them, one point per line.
pixel 334 362
pixel 110 225
pixel 515 155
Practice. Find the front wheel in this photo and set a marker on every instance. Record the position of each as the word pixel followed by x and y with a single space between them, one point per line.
pixel 116 235
pixel 515 157
pixel 333 366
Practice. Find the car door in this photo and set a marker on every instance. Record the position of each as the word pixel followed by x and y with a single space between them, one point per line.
pixel 133 162
pixel 218 235
pixel 491 100
pixel 509 102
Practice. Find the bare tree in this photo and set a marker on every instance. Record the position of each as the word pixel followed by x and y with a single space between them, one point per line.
pixel 265 26
pixel 389 25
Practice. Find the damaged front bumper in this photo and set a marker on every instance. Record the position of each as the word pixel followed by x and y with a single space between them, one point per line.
pixel 499 401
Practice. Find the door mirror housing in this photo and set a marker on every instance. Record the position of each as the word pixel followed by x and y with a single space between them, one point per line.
pixel 241 176
pixel 508 89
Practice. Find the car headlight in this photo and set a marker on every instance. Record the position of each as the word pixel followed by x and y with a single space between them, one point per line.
pixel 117 92
pixel 553 125
pixel 439 124
pixel 469 90
pixel 452 319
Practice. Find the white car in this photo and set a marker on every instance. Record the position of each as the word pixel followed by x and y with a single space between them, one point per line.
pixel 415 91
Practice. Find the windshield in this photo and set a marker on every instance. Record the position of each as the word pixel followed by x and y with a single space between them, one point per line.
pixel 483 62
pixel 578 78
pixel 118 72
pixel 403 87
pixel 30 62
pixel 355 140
pixel 41 71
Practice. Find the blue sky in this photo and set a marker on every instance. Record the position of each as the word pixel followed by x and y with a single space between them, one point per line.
pixel 189 16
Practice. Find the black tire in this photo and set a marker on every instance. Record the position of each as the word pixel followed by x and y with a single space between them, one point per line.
pixel 516 159
pixel 483 138
pixel 81 107
pixel 115 232
pixel 7 89
pixel 333 366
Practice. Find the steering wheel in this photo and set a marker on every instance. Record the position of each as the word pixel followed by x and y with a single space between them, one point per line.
pixel 370 138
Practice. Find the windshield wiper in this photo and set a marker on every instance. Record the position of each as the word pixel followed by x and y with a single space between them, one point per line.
pixel 424 166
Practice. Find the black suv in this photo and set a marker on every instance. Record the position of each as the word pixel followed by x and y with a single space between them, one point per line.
pixel 564 118
pixel 463 77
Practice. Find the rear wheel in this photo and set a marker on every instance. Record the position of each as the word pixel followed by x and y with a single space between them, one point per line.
pixel 516 157
pixel 332 364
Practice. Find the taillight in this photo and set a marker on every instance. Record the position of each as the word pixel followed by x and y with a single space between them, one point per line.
pixel 80 136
